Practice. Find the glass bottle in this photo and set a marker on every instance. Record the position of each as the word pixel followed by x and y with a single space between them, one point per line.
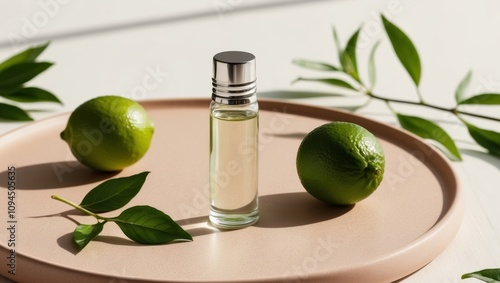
pixel 234 129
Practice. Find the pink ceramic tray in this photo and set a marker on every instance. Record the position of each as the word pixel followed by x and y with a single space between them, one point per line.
pixel 406 223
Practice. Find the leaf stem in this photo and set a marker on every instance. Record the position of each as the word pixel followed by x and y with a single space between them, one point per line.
pixel 366 90
pixel 61 199
pixel 455 111
pixel 451 110
pixel 408 102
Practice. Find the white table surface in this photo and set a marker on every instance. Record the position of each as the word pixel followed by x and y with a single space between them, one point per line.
pixel 111 47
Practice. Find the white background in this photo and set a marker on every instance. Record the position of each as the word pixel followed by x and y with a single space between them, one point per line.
pixel 111 47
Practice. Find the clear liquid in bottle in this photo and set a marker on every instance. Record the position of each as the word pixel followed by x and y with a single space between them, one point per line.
pixel 234 168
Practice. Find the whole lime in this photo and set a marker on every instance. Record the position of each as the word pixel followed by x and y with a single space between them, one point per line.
pixel 340 163
pixel 108 133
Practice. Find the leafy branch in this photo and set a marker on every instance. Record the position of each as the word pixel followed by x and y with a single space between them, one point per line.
pixel 143 224
pixel 408 56
pixel 15 72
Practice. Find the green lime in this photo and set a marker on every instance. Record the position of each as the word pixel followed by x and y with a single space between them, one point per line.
pixel 108 133
pixel 340 163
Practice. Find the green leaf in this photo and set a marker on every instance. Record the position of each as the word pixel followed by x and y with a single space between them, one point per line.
pixel 16 75
pixel 462 86
pixel 484 99
pixel 371 66
pixel 404 49
pixel 85 233
pixel 148 225
pixel 486 275
pixel 14 113
pixel 330 81
pixel 31 94
pixel 113 194
pixel 348 57
pixel 28 55
pixel 336 39
pixel 315 65
pixel 429 130
pixel 485 138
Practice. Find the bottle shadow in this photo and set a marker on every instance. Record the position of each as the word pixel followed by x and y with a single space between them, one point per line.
pixel 277 211
pixel 294 135
pixel 295 209
pixel 54 175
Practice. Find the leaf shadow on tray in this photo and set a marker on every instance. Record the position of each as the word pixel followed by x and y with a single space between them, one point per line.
pixel 66 242
pixel 53 175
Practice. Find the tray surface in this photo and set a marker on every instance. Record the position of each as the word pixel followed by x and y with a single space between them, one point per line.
pixel 406 223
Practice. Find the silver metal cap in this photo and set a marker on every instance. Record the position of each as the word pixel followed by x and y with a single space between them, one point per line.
pixel 234 78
